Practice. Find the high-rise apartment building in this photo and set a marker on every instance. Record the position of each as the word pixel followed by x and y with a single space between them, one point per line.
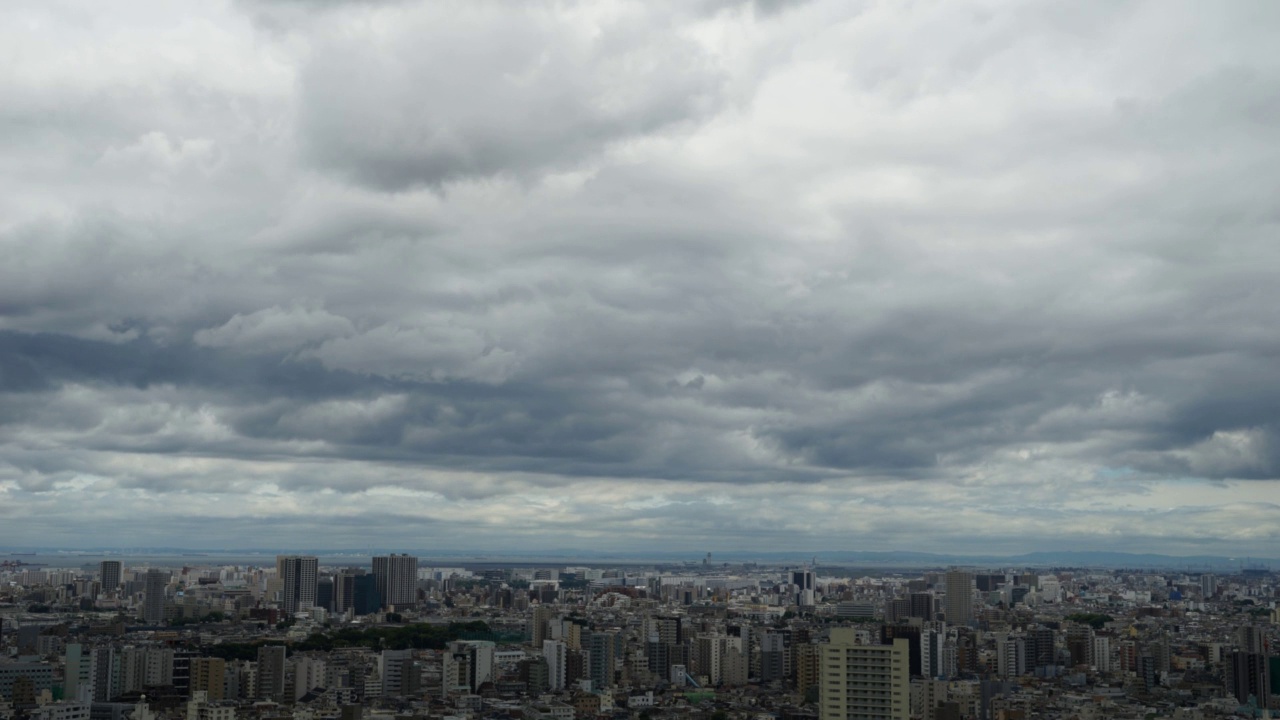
pixel 864 681
pixel 958 603
pixel 270 672
pixel 298 574
pixel 208 675
pixel 601 656
pixel 539 622
pixel 1011 656
pixel 705 658
pixel 1042 649
pixel 397 577
pixel 109 574
pixel 556 655
pixel 153 597
pixel 775 654
pixel 1249 676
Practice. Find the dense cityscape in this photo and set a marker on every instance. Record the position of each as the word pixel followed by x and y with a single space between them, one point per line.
pixel 393 639
pixel 639 360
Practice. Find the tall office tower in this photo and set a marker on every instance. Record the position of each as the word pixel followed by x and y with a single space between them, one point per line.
pixel 153 599
pixel 209 675
pixel 1248 675
pixel 270 672
pixel 397 579
pixel 804 582
pixel 864 681
pixel 556 655
pixel 299 574
pixel 958 603
pixel 109 572
pixel 602 655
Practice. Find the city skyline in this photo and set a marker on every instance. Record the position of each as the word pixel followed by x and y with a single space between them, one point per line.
pixel 978 278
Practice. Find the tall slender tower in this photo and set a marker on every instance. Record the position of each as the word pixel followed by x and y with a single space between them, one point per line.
pixel 153 599
pixel 958 603
pixel 397 579
pixel 299 575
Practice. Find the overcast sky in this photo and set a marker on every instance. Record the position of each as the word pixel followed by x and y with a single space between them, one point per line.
pixel 700 275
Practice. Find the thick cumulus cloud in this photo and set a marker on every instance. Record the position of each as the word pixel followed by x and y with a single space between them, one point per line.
pixel 425 93
pixel 810 275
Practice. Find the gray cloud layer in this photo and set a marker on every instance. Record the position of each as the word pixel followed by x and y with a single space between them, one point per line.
pixel 809 275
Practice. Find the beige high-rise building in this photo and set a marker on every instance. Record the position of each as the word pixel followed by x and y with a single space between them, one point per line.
pixel 808 665
pixel 538 624
pixel 864 682
pixel 209 675
pixel 958 604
